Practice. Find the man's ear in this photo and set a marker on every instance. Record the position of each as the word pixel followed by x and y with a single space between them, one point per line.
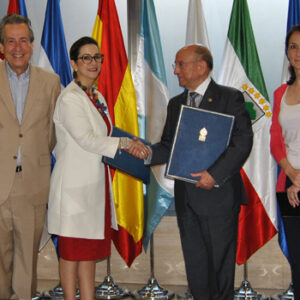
pixel 203 66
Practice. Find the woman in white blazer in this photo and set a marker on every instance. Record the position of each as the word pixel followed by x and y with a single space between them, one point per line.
pixel 81 208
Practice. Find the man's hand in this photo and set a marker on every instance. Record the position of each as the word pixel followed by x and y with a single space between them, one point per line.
pixel 138 149
pixel 206 181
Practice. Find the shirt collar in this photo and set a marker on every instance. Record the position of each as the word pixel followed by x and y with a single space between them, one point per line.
pixel 201 89
pixel 12 74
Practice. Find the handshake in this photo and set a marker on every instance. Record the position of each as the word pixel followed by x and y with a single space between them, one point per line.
pixel 134 147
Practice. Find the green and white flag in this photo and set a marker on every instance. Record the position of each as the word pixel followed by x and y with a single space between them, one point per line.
pixel 241 69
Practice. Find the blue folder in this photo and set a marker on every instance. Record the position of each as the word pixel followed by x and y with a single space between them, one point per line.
pixel 127 163
pixel 200 138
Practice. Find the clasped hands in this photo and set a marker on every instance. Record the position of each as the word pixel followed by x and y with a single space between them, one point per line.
pixel 138 149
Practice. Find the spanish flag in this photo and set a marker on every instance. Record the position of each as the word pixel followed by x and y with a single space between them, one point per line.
pixel 116 85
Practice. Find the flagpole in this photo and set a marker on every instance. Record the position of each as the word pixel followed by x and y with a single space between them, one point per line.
pixel 288 294
pixel 245 291
pixel 108 289
pixel 152 290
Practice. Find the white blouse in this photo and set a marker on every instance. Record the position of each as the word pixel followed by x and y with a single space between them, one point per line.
pixel 289 119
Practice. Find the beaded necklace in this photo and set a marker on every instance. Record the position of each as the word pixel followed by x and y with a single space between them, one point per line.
pixel 94 98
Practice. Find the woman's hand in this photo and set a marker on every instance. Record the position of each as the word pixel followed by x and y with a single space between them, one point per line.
pixel 292 193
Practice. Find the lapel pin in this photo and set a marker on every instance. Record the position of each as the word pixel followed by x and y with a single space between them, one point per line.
pixel 210 100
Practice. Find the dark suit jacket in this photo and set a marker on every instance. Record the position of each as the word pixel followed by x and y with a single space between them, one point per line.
pixel 226 170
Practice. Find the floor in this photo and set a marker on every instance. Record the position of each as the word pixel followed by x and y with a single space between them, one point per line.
pixel 46 287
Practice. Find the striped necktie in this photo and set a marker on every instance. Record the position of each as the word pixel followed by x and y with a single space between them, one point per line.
pixel 195 99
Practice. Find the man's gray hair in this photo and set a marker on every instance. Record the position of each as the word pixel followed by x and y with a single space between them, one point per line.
pixel 15 19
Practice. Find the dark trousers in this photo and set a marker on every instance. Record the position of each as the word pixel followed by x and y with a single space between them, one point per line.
pixel 291 221
pixel 209 249
pixel 292 232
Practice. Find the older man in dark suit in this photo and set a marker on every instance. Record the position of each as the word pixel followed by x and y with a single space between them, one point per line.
pixel 207 211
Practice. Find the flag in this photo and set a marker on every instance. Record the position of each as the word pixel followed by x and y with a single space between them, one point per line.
pixel 116 85
pixel 196 32
pixel 241 69
pixel 54 57
pixel 15 7
pixel 293 19
pixel 53 53
pixel 150 83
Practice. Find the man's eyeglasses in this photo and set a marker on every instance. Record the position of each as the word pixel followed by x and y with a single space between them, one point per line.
pixel 87 59
pixel 181 64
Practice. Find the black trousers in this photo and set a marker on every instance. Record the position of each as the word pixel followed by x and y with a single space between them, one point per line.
pixel 209 249
pixel 292 232
pixel 291 221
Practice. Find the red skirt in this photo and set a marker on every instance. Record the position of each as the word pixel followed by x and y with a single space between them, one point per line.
pixel 80 249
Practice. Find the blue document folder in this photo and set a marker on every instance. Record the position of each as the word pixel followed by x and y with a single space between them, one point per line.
pixel 125 162
pixel 200 138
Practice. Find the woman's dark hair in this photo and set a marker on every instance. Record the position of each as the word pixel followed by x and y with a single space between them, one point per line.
pixel 295 28
pixel 75 48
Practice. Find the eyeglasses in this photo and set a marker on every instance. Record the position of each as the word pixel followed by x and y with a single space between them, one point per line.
pixel 87 59
pixel 181 64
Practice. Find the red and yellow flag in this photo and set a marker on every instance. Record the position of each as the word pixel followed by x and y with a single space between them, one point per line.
pixel 116 85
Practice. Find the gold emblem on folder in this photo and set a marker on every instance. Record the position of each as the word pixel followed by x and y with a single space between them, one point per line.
pixel 202 134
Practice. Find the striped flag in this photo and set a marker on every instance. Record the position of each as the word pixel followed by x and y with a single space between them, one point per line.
pixel 54 57
pixel 53 53
pixel 115 83
pixel 293 19
pixel 241 69
pixel 152 97
pixel 15 7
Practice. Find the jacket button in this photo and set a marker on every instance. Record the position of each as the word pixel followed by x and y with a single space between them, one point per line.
pixel 20 135
pixel 15 157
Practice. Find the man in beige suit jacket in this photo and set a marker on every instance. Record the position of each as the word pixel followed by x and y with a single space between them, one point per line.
pixel 27 100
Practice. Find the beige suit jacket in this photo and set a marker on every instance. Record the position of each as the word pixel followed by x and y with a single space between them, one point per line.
pixel 35 135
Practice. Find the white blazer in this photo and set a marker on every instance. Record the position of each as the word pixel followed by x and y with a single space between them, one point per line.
pixel 77 189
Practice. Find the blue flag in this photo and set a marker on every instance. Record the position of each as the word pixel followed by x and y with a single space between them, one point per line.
pixel 22 7
pixel 54 58
pixel 152 107
pixel 54 54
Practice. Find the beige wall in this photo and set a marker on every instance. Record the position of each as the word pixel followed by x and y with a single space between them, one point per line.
pixel 267 268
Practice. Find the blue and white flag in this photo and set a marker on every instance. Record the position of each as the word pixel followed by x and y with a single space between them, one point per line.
pixel 54 58
pixel 53 54
pixel 150 83
pixel 293 19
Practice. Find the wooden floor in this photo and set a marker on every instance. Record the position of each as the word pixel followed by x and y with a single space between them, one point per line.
pixel 44 286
